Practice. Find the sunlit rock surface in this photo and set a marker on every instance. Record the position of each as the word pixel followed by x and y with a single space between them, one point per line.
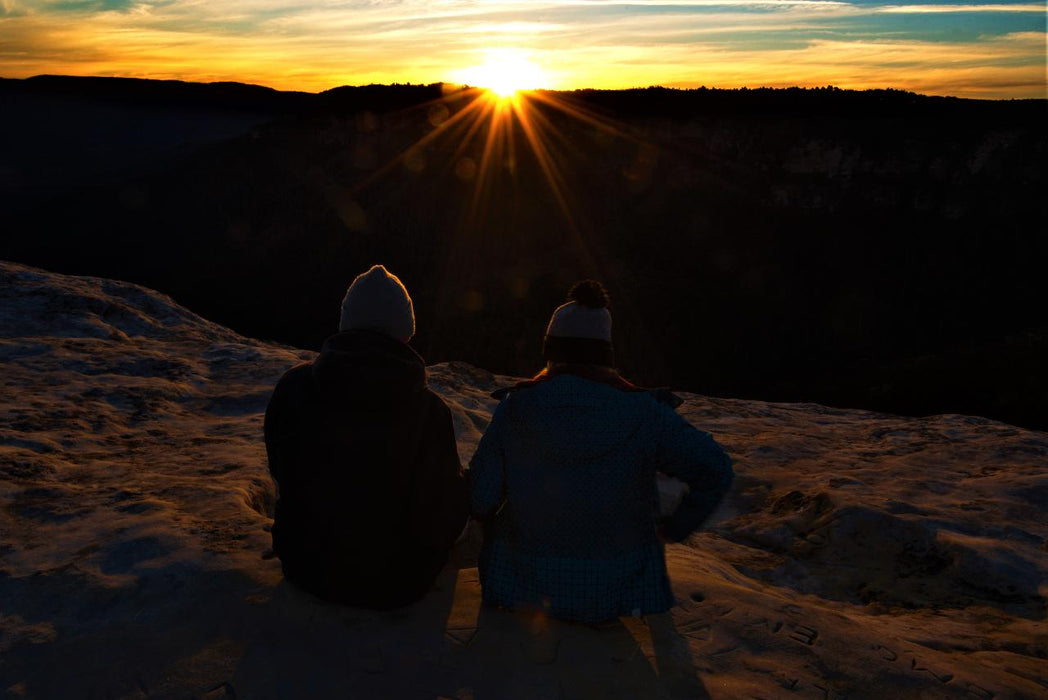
pixel 859 556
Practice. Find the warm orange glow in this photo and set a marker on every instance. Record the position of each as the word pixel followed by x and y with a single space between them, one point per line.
pixel 505 73
pixel 564 45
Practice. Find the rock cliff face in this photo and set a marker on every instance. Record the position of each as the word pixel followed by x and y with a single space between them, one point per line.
pixel 860 555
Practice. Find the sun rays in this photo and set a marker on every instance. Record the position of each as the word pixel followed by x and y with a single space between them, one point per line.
pixel 484 134
pixel 512 123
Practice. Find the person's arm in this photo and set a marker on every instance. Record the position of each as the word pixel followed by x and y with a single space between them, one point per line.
pixel 487 487
pixel 695 458
pixel 273 429
pixel 280 424
pixel 441 493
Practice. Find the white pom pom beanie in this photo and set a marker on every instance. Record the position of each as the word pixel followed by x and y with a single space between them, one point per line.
pixel 378 301
pixel 580 331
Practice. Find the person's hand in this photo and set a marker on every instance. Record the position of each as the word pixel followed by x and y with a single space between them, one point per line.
pixel 671 493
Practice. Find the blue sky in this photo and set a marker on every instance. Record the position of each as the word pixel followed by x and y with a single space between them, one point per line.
pixel 970 49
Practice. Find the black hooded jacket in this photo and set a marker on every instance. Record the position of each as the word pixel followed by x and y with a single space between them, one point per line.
pixel 372 494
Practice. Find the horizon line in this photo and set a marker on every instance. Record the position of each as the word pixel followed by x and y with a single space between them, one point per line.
pixel 464 87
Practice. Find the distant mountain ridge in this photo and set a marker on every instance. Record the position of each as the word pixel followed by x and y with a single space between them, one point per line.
pixel 229 95
pixel 218 95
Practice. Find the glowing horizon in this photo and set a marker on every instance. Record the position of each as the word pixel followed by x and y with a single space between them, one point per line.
pixel 505 72
pixel 967 50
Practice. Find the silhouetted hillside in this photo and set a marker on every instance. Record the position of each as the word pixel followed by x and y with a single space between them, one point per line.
pixel 876 249
pixel 61 133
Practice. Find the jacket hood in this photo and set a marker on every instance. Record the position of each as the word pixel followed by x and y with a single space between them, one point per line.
pixel 570 418
pixel 369 365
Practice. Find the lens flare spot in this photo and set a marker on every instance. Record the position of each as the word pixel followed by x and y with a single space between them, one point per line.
pixel 466 169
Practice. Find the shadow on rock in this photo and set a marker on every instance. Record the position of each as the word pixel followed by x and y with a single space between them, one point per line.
pixel 449 645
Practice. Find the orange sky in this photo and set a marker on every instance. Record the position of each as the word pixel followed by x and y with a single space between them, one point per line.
pixel 970 50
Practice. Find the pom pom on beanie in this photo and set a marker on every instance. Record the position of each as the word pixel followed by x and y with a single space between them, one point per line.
pixel 589 293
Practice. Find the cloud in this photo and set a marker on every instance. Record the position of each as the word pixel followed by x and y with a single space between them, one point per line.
pixel 11 8
pixel 953 9
pixel 727 43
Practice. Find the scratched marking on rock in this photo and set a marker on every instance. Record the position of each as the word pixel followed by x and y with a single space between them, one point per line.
pixel 978 691
pixel 888 654
pixel 916 665
pixel 696 630
pixel 462 636
pixel 724 650
pixel 772 625
pixel 809 635
pixel 804 634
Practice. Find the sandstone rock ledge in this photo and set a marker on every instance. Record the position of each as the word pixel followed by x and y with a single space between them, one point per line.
pixel 860 555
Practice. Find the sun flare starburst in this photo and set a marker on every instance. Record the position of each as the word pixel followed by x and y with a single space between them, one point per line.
pixel 505 73
pixel 495 116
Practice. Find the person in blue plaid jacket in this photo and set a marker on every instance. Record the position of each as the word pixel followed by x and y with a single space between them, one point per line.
pixel 564 480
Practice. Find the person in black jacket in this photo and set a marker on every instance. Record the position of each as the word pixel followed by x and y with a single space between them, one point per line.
pixel 371 494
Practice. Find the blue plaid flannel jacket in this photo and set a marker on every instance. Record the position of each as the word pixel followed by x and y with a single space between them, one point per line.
pixel 564 481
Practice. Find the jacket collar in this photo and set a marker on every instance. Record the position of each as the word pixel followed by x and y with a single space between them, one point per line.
pixel 368 363
pixel 594 373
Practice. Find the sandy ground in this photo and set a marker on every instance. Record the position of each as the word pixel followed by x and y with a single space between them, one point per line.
pixel 860 555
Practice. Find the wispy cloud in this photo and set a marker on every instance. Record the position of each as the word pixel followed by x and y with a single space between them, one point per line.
pixel 989 50
pixel 954 9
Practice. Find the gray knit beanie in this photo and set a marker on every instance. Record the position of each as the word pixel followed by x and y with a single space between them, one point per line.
pixel 378 301
pixel 580 331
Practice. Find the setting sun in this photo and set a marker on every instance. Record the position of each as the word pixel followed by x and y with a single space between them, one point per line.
pixel 505 73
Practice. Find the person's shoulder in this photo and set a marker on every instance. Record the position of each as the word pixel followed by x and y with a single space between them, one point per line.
pixel 434 402
pixel 301 372
pixel 664 397
pixel 293 381
pixel 654 401
pixel 659 406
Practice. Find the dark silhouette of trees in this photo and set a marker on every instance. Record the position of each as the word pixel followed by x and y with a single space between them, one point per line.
pixel 866 249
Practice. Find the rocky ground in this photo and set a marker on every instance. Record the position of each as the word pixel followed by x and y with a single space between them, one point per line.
pixel 860 555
